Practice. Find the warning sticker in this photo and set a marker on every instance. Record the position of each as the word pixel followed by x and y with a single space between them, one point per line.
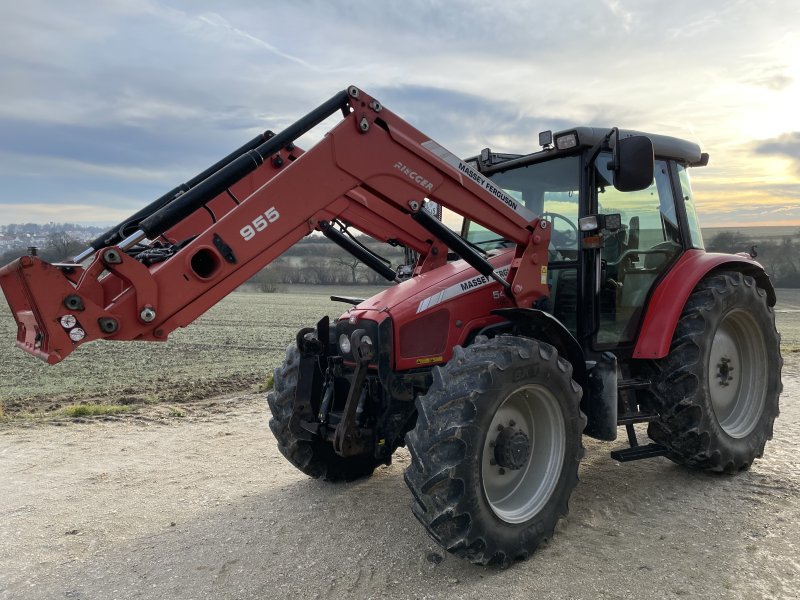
pixel 544 275
pixel 430 360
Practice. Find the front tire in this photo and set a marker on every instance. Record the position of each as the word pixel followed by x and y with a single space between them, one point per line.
pixel 496 448
pixel 717 390
pixel 316 458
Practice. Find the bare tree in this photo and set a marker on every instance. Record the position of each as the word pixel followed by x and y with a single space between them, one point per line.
pixel 352 264
pixel 60 246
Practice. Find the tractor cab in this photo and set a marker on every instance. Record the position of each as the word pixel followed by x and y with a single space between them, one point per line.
pixel 609 244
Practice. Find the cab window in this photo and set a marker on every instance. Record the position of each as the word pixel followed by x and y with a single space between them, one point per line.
pixel 550 189
pixel 695 235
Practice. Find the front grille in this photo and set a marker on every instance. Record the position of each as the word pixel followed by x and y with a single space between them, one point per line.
pixel 425 336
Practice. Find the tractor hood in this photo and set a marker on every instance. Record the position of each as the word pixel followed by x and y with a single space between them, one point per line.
pixel 435 287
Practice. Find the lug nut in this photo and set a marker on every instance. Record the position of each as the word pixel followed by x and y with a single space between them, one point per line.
pixel 511 423
pixel 147 315
pixel 502 471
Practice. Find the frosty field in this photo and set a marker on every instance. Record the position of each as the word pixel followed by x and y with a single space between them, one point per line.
pixel 234 346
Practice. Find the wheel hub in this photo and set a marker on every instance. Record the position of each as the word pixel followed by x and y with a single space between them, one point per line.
pixel 512 448
pixel 725 371
pixel 523 453
pixel 737 371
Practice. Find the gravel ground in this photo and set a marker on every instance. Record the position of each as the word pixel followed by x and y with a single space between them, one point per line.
pixel 205 507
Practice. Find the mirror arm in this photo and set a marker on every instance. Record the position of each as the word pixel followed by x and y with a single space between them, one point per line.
pixel 615 155
pixel 602 145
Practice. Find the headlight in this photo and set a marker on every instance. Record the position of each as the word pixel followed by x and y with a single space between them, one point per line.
pixel 344 343
pixel 590 223
pixel 366 349
pixel 569 140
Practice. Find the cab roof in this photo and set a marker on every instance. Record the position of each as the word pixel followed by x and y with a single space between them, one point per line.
pixel 663 145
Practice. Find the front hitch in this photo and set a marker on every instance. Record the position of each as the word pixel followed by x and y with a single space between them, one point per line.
pixel 349 439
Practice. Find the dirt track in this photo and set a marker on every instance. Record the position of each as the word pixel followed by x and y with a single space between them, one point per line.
pixel 205 507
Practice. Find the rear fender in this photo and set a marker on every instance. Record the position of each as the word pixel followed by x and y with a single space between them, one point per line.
pixel 667 301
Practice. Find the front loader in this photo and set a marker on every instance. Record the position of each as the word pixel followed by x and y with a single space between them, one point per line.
pixel 576 299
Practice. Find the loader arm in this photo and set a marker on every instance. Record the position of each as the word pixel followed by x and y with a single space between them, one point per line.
pixel 372 171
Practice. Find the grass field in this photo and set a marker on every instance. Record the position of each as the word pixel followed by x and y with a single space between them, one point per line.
pixel 232 347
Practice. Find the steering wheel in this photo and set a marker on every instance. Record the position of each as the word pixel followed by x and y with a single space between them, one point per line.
pixel 567 240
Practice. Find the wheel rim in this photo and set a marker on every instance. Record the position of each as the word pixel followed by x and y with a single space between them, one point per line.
pixel 517 487
pixel 737 367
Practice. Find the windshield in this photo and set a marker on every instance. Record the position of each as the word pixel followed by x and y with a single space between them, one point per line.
pixel 548 188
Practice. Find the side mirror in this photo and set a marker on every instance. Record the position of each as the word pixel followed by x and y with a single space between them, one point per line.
pixel 632 164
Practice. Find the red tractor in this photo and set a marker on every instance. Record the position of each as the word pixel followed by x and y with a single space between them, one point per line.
pixel 576 299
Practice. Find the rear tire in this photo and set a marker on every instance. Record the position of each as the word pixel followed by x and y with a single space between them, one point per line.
pixel 488 493
pixel 315 458
pixel 717 390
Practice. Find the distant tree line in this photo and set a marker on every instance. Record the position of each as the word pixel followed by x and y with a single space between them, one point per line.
pixel 316 260
pixel 58 246
pixel 780 256
pixel 323 263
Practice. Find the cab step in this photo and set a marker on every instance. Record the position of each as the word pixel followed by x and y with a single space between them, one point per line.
pixel 639 452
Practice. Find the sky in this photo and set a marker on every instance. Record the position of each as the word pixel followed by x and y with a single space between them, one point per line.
pixel 106 105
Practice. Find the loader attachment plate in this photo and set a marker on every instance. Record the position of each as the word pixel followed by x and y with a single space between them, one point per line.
pixel 32 289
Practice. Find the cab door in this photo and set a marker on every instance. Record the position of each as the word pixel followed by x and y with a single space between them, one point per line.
pixel 633 258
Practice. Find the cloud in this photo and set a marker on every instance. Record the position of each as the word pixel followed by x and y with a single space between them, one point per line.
pixel 786 145
pixel 131 95
pixel 775 81
pixel 466 122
